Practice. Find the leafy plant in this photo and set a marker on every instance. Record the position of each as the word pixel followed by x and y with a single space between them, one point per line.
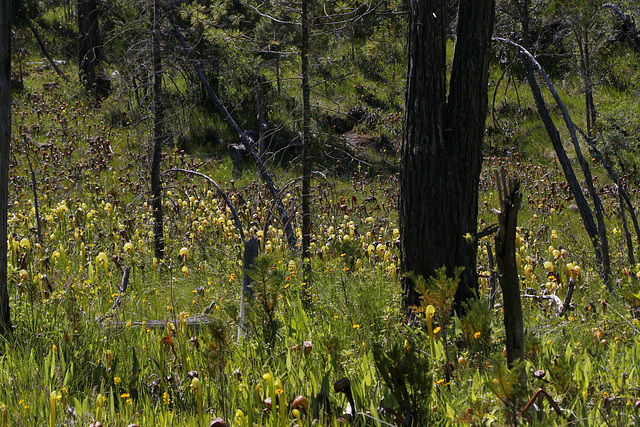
pixel 405 369
pixel 268 285
pixel 476 325
pixel 507 386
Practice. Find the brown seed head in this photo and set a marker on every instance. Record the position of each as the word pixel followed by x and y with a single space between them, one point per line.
pixel 342 385
pixel 218 422
pixel 301 403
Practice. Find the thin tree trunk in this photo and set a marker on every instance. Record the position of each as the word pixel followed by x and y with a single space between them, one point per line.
pixel 627 235
pixel 306 154
pixel 591 108
pixel 5 141
pixel 616 180
pixel 510 198
pixel 262 125
pixel 597 233
pixel 158 138
pixel 246 295
pixel 492 277
pixel 35 202
pixel 89 46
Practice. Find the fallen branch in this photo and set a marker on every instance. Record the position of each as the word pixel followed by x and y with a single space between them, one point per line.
pixel 44 48
pixel 246 141
pixel 567 299
pixel 192 322
pixel 621 316
pixel 597 233
pixel 236 219
pixel 553 297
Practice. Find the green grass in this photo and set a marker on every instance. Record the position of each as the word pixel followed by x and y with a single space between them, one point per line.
pixel 72 352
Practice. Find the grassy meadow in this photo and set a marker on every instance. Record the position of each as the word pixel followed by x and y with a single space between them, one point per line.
pixel 84 351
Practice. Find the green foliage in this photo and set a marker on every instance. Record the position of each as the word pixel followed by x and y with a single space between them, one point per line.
pixel 406 371
pixel 507 386
pixel 268 283
pixel 476 325
pixel 438 291
pixel 135 363
pixel 350 252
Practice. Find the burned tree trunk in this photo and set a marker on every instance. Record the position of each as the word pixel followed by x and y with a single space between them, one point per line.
pixel 442 143
pixel 5 140
pixel 89 46
pixel 158 139
pixel 306 155
pixel 510 198
pixel 597 233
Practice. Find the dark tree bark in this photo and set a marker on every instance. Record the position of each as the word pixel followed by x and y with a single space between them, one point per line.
pixel 36 206
pixel 158 139
pixel 510 198
pixel 89 46
pixel 597 233
pixel 623 196
pixel 306 154
pixel 442 142
pixel 627 235
pixel 5 139
pixel 582 40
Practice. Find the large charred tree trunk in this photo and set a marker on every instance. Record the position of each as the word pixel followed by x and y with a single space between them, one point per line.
pixel 158 138
pixel 442 142
pixel 5 138
pixel 89 46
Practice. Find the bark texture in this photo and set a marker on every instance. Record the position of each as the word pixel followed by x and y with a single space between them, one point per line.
pixel 158 138
pixel 510 199
pixel 89 45
pixel 306 154
pixel 442 142
pixel 5 140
